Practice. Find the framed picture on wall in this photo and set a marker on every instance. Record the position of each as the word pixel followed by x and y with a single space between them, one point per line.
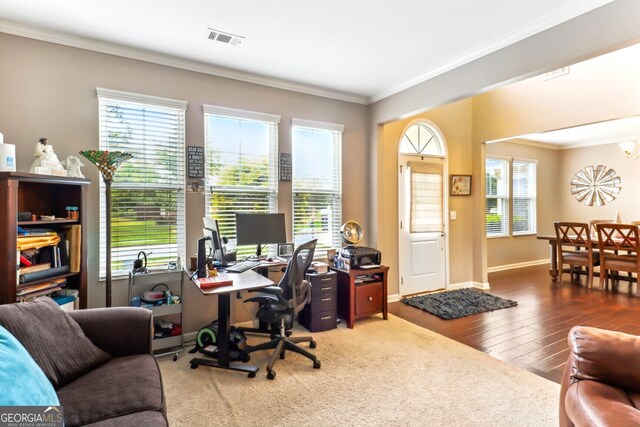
pixel 460 185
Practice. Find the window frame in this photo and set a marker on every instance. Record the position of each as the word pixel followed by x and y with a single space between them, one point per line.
pixel 504 197
pixel 533 207
pixel 175 183
pixel 335 192
pixel 512 198
pixel 267 195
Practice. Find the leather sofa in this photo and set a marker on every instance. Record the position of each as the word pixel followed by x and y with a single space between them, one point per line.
pixel 601 382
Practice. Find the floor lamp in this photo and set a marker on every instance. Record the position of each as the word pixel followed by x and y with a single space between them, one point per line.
pixel 107 162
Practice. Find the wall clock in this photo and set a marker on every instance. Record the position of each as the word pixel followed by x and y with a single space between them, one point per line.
pixel 595 185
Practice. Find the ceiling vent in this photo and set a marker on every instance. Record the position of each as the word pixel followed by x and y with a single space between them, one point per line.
pixel 222 37
pixel 556 73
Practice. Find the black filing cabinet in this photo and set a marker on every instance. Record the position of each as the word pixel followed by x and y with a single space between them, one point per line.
pixel 321 313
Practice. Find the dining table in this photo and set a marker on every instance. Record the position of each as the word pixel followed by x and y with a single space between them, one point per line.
pixel 553 253
pixel 555 260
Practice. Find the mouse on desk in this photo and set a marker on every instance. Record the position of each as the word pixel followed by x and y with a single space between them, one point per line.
pixel 269 259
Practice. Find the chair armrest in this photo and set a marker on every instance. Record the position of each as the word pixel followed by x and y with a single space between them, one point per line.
pixel 272 290
pixel 120 331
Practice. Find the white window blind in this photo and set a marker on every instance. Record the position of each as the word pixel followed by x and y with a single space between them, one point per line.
pixel 497 193
pixel 317 182
pixel 524 196
pixel 241 167
pixel 148 191
pixel 426 197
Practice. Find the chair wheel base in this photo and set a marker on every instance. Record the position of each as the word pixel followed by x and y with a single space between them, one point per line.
pixel 313 344
pixel 271 375
pixel 316 364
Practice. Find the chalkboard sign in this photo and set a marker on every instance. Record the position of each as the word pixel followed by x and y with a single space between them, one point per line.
pixel 285 167
pixel 195 162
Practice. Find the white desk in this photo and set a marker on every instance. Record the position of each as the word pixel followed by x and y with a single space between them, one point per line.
pixel 241 282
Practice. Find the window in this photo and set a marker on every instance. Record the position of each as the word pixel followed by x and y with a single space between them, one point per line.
pixel 421 139
pixel 524 197
pixel 241 171
pixel 426 196
pixel 520 196
pixel 317 182
pixel 497 190
pixel 147 193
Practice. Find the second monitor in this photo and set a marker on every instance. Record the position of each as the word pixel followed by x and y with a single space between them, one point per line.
pixel 260 229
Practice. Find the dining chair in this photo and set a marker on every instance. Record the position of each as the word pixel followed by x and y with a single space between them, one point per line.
pixel 619 250
pixel 594 222
pixel 575 248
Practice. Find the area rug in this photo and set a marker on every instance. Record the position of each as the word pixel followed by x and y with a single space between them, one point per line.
pixel 459 303
pixel 380 373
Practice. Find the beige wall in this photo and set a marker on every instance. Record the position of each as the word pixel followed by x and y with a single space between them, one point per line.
pixel 596 90
pixel 454 121
pixel 627 204
pixel 556 169
pixel 504 251
pixel 602 30
pixel 49 90
pixel 600 89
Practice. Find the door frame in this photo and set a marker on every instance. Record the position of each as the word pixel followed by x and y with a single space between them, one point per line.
pixel 401 161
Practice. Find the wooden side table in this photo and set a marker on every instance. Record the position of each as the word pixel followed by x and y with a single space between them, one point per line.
pixel 361 293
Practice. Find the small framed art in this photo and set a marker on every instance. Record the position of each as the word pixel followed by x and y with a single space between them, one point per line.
pixel 460 185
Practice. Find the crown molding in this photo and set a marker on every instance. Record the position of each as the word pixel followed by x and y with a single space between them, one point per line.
pixel 171 61
pixel 562 15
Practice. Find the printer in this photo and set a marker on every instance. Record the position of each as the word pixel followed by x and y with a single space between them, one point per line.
pixel 360 256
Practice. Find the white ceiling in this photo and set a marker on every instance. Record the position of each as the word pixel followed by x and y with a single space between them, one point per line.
pixel 356 50
pixel 607 132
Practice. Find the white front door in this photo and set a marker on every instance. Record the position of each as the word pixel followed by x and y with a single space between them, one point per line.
pixel 422 238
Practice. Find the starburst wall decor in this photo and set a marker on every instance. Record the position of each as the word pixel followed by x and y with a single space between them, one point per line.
pixel 595 185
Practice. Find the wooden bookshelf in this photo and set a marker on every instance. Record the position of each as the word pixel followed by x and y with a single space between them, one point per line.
pixel 40 195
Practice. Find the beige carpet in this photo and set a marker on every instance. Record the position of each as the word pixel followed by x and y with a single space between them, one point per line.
pixel 382 373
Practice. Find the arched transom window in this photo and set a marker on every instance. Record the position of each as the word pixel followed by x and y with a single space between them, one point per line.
pixel 421 139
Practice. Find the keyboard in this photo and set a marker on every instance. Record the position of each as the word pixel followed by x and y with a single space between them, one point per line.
pixel 242 266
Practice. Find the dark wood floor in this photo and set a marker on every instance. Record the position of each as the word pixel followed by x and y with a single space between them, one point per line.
pixel 533 335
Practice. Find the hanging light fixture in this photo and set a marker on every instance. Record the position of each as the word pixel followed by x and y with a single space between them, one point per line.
pixel 630 148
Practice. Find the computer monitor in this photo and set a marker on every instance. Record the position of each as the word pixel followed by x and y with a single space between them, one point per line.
pixel 260 229
pixel 214 240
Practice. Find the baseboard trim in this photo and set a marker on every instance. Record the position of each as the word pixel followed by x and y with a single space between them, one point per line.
pixel 451 287
pixel 517 265
pixel 471 284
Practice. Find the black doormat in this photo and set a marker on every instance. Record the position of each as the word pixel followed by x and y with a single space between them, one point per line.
pixel 459 303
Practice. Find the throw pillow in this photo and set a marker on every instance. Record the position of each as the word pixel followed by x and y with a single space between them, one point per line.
pixel 54 340
pixel 21 380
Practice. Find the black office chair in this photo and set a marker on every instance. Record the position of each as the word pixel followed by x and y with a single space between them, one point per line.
pixel 279 305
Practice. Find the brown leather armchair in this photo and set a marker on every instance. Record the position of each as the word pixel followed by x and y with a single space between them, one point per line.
pixel 601 382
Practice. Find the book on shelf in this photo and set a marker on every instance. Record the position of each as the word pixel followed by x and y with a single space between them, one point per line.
pixel 40 288
pixel 35 267
pixel 36 232
pixel 75 247
pixel 36 242
pixel 43 274
pixel 30 296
